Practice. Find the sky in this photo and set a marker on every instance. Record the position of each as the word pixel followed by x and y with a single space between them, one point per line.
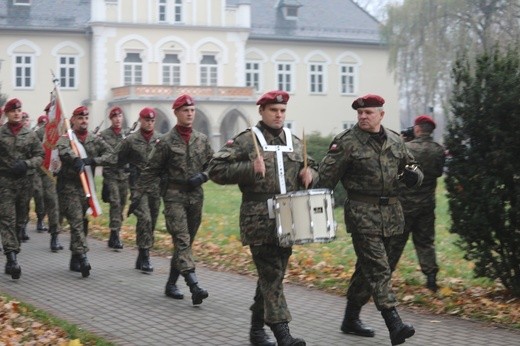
pixel 376 7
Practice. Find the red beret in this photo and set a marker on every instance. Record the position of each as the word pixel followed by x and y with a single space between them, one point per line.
pixel 47 108
pixel 425 119
pixel 43 119
pixel 115 111
pixel 25 115
pixel 12 104
pixel 183 100
pixel 147 113
pixel 275 96
pixel 367 101
pixel 81 110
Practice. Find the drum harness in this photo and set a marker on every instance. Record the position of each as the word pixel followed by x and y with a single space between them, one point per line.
pixel 279 150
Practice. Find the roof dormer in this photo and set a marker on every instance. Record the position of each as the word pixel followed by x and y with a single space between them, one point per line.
pixel 289 8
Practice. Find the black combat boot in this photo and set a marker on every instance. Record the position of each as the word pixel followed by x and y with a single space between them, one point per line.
pixel 399 331
pixel 138 261
pixel 352 324
pixel 197 294
pixel 284 337
pixel 84 265
pixel 114 242
pixel 431 282
pixel 22 234
pixel 257 334
pixel 144 263
pixel 55 243
pixel 39 224
pixel 171 289
pixel 75 265
pixel 12 267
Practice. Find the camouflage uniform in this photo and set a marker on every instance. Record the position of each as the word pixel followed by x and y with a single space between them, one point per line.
pixel 72 201
pixel 177 161
pixel 419 206
pixel 115 182
pixel 136 151
pixel 27 147
pixel 368 167
pixel 39 204
pixel 233 164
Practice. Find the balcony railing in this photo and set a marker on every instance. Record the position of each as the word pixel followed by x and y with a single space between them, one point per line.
pixel 168 93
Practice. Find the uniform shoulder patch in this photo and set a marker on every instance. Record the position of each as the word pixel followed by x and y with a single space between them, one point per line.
pixel 333 147
pixel 230 142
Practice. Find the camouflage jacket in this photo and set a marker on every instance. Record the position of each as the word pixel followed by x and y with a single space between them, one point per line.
pixel 367 168
pixel 114 141
pixel 233 164
pixel 430 156
pixel 95 148
pixel 175 162
pixel 24 146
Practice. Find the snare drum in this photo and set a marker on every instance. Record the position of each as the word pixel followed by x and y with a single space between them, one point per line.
pixel 305 217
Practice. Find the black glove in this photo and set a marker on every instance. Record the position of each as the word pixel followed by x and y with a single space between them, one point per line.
pixel 135 200
pixel 78 165
pixel 197 179
pixel 88 161
pixel 410 176
pixel 19 168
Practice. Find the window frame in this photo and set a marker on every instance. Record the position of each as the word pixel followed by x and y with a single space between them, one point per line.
pixel 256 75
pixel 352 76
pixel 320 75
pixel 74 67
pixel 288 82
pixel 24 75
pixel 133 73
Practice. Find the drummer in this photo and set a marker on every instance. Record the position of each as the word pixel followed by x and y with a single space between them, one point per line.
pixel 266 160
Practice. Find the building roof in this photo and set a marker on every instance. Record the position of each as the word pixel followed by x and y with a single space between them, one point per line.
pixel 63 15
pixel 323 20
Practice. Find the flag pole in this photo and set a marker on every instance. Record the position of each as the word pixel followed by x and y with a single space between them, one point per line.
pixel 82 175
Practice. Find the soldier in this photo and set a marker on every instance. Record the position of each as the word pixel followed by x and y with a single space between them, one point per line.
pixel 39 205
pixel 370 160
pixel 20 150
pixel 259 179
pixel 181 158
pixel 24 202
pixel 45 189
pixel 419 204
pixel 135 151
pixel 115 179
pixel 72 201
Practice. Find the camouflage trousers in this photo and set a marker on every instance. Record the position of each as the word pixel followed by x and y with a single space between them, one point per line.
pixel 182 222
pixel 13 192
pixel 23 203
pixel 372 275
pixel 421 224
pixel 271 263
pixel 73 206
pixel 39 204
pixel 50 201
pixel 146 213
pixel 117 197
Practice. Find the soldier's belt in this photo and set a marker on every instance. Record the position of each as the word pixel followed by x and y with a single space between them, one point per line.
pixel 180 187
pixel 353 196
pixel 256 197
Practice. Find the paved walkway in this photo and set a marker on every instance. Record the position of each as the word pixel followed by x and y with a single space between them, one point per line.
pixel 130 308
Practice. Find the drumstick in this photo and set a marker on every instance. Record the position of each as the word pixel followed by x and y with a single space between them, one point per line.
pixel 304 154
pixel 257 150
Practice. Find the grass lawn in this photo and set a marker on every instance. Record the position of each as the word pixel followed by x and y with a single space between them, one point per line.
pixel 329 266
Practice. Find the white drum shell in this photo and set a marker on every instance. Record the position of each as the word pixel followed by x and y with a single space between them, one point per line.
pixel 305 217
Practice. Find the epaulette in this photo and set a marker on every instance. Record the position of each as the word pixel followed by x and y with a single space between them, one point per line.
pixel 343 133
pixel 395 132
pixel 230 141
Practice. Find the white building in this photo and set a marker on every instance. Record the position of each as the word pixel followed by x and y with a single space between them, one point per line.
pixel 137 53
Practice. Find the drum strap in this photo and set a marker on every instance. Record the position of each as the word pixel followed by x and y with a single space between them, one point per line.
pixel 279 149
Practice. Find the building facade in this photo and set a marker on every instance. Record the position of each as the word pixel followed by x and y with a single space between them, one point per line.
pixel 225 53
